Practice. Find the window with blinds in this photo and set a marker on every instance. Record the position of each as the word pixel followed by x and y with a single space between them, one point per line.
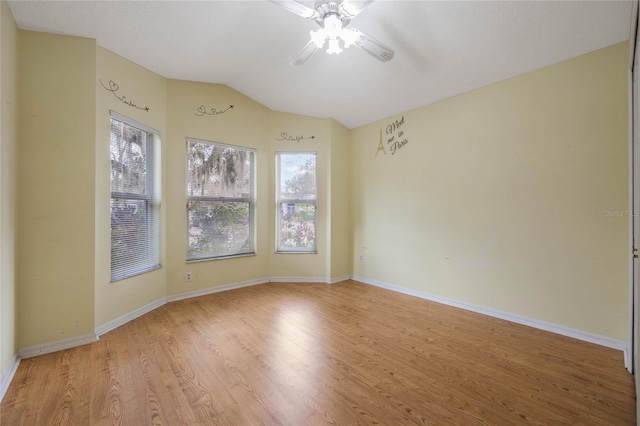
pixel 220 200
pixel 135 199
pixel 296 193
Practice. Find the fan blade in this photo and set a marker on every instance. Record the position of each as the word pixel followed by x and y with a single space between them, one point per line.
pixel 297 8
pixel 374 47
pixel 306 52
pixel 351 8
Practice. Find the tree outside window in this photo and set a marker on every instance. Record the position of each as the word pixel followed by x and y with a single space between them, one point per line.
pixel 220 200
pixel 297 202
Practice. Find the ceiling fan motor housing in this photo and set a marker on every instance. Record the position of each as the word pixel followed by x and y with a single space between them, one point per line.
pixel 330 8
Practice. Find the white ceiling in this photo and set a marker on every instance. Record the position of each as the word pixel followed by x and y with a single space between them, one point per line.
pixel 442 48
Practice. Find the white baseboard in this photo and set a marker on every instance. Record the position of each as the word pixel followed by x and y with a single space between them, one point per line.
pixel 627 359
pixel 219 289
pixel 309 280
pixel 59 345
pixel 302 280
pixel 542 325
pixel 7 376
pixel 117 322
pixel 339 279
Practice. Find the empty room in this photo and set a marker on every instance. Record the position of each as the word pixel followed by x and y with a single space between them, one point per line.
pixel 310 212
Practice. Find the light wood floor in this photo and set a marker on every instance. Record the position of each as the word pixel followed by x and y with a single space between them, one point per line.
pixel 306 354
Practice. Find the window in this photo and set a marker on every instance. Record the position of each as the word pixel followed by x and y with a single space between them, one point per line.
pixel 296 201
pixel 135 203
pixel 220 200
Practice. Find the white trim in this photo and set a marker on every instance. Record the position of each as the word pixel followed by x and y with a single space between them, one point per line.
pixel 631 354
pixel 301 280
pixel 542 325
pixel 280 201
pixel 633 34
pixel 7 376
pixel 220 144
pixel 628 362
pixel 632 222
pixel 211 290
pixel 123 118
pixel 59 345
pixel 122 320
pixel 73 342
pixel 117 322
pixel 310 280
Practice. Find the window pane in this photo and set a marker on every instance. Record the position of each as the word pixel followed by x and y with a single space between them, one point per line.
pixel 134 237
pixel 297 176
pixel 218 171
pixel 297 226
pixel 218 228
pixel 135 221
pixel 220 200
pixel 128 157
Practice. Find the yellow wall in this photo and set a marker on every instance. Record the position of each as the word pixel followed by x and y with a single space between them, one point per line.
pixel 504 197
pixel 244 125
pixel 250 124
pixel 314 266
pixel 8 101
pixel 144 89
pixel 340 250
pixel 507 197
pixel 56 187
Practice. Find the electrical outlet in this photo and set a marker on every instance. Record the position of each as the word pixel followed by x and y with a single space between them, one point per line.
pixel 188 277
pixel 362 258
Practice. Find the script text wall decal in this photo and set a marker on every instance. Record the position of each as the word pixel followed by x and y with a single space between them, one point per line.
pixel 285 136
pixel 394 137
pixel 202 111
pixel 113 88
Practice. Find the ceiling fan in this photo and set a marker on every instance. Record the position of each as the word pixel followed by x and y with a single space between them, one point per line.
pixel 333 16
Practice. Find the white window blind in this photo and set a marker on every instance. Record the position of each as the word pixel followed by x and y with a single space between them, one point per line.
pixel 296 192
pixel 135 202
pixel 220 200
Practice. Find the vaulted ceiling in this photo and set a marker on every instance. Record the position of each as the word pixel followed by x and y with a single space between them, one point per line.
pixel 442 48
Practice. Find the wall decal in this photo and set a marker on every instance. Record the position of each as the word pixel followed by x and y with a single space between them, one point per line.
pixel 113 88
pixel 202 111
pixel 395 137
pixel 285 136
pixel 381 145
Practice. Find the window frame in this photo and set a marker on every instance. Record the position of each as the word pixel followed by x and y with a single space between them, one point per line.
pixel 251 200
pixel 279 201
pixel 151 198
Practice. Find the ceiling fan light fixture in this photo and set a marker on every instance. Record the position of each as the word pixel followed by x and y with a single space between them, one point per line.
pixel 349 37
pixel 333 17
pixel 318 37
pixel 332 26
pixel 334 46
pixel 333 31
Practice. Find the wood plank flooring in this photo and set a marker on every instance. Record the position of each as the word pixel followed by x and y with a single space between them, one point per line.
pixel 314 354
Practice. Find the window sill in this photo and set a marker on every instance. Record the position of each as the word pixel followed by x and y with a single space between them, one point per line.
pixel 135 274
pixel 232 256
